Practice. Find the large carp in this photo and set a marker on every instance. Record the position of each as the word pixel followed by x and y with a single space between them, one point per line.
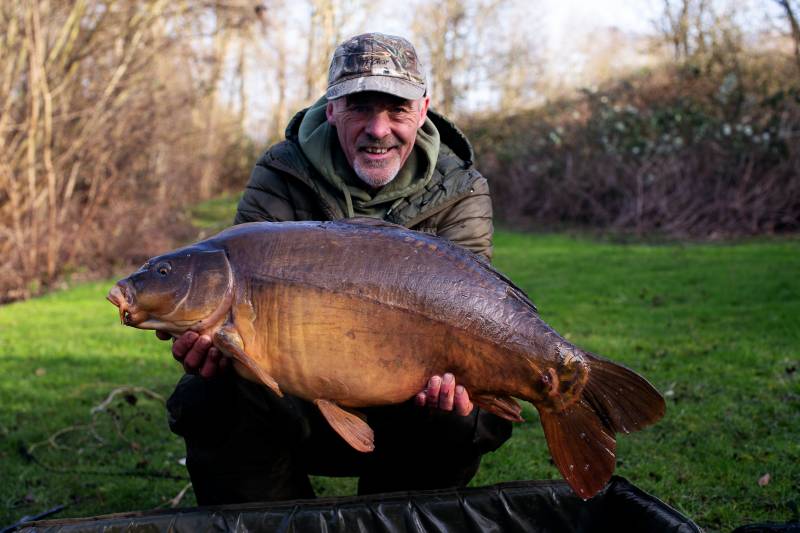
pixel 361 312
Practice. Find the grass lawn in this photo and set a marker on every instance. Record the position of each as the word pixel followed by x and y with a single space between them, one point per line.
pixel 714 327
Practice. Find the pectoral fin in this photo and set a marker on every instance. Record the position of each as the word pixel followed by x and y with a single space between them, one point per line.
pixel 350 425
pixel 502 406
pixel 228 340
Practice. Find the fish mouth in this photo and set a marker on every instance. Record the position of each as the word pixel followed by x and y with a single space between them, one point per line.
pixel 121 296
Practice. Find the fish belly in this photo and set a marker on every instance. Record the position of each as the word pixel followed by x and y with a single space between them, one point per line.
pixel 352 349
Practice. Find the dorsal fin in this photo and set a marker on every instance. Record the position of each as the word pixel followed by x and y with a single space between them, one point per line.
pixel 369 221
pixel 513 290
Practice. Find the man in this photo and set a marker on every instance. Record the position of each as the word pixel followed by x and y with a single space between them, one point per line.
pixel 372 148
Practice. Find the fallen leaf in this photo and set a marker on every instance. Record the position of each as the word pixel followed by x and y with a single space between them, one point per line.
pixel 40 372
pixel 763 481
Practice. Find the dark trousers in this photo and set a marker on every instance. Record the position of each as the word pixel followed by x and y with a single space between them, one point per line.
pixel 245 444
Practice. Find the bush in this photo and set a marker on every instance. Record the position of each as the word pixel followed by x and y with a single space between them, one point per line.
pixel 672 151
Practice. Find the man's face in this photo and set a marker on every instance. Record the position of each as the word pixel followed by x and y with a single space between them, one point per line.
pixel 377 132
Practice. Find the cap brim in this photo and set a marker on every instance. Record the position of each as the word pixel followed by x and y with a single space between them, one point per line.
pixel 382 84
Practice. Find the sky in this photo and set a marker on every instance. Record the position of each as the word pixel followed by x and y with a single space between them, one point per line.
pixel 566 18
pixel 565 21
pixel 636 16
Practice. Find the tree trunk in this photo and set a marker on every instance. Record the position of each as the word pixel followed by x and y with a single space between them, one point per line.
pixel 794 26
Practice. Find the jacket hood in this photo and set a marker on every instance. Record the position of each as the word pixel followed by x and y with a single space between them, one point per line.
pixel 449 134
pixel 453 176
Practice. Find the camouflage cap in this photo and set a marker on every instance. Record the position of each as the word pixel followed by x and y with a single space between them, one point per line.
pixel 376 62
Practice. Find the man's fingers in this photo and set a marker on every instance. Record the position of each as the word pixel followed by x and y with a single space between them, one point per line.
pixel 183 344
pixel 462 404
pixel 432 392
pixel 211 364
pixel 163 335
pixel 197 354
pixel 447 392
pixel 419 399
pixel 443 393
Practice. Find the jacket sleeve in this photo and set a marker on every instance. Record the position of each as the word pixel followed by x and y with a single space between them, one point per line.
pixel 266 198
pixel 468 222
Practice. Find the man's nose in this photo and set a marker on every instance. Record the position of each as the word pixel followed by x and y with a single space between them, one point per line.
pixel 379 125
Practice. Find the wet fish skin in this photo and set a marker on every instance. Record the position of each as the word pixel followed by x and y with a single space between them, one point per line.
pixel 360 312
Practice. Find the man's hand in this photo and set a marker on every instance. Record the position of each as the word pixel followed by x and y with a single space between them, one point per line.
pixel 443 393
pixel 196 354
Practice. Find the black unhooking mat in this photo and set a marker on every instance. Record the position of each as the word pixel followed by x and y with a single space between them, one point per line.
pixel 529 506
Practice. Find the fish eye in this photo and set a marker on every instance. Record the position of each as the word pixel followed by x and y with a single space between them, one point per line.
pixel 163 268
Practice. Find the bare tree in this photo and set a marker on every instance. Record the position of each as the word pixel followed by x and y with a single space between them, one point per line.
pixel 791 11
pixel 704 33
pixel 675 26
pixel 512 56
pixel 465 43
pixel 442 31
pixel 324 35
pixel 98 108
pixel 276 43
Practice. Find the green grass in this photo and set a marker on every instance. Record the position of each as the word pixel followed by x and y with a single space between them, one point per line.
pixel 714 327
pixel 214 215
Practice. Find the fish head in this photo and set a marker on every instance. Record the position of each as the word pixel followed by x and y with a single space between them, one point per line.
pixel 188 289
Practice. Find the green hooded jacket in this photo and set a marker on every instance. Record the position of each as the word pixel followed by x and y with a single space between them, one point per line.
pixel 451 201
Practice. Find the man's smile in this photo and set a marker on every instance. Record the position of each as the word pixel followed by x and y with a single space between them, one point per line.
pixel 377 153
pixel 371 150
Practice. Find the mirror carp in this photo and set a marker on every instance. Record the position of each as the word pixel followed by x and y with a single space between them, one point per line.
pixel 360 312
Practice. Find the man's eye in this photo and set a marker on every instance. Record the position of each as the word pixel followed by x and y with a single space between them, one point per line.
pixel 360 109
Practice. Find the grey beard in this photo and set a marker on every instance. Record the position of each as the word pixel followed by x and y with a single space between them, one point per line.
pixel 377 176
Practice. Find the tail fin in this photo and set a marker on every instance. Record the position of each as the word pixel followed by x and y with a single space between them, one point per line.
pixel 581 437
